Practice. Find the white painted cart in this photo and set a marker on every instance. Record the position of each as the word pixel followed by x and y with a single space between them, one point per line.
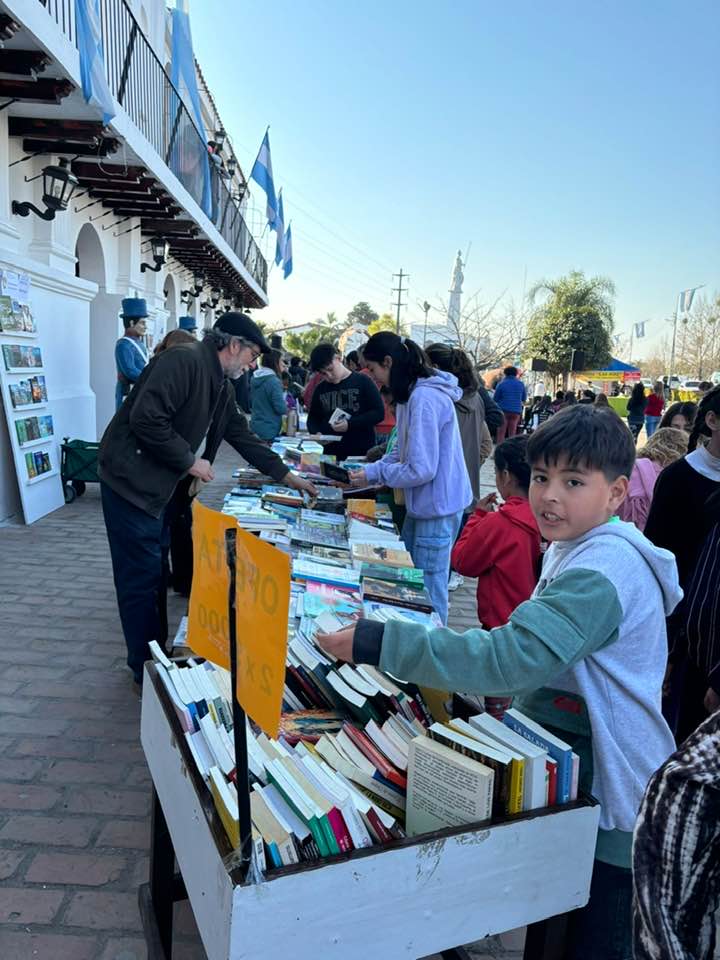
pixel 421 896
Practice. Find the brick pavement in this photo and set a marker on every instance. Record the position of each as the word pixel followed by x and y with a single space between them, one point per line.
pixel 74 787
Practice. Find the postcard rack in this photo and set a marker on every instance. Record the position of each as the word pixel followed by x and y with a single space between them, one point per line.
pixel 420 896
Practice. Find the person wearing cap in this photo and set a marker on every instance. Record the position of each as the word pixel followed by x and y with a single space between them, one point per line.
pixel 156 451
pixel 131 355
pixel 189 324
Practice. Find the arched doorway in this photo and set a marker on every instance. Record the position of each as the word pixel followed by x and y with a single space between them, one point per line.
pixel 171 302
pixel 104 324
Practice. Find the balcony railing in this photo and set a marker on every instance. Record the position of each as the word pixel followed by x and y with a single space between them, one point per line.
pixel 139 83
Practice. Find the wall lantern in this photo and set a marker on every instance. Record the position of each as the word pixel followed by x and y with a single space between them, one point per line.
pixel 160 251
pixel 220 137
pixel 197 289
pixel 58 187
pixel 215 298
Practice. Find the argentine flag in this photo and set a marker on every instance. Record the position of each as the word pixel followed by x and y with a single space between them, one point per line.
pixel 92 60
pixel 262 173
pixel 686 299
pixel 287 243
pixel 280 229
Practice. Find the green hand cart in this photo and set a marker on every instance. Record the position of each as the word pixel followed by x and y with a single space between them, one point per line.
pixel 78 466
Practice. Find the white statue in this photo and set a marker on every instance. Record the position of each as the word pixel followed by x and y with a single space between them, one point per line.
pixel 455 293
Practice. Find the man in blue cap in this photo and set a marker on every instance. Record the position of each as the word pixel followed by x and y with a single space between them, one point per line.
pixel 131 355
pixel 154 454
pixel 188 324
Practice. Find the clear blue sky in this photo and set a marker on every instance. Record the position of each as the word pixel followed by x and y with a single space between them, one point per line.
pixel 552 135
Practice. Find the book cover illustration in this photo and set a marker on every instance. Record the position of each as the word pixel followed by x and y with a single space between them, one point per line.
pixel 397 594
pixel 390 556
pixel 18 356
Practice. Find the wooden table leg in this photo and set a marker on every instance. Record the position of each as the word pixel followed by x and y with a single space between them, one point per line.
pixel 162 877
pixel 547 939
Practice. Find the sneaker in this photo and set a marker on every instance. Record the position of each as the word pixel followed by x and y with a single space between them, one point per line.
pixel 455 581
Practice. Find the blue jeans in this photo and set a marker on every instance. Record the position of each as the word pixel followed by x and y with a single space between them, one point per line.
pixel 651 425
pixel 139 547
pixel 429 543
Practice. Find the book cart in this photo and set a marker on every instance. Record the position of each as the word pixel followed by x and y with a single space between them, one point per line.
pixel 420 896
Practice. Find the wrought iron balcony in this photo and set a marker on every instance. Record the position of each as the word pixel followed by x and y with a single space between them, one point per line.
pixel 140 84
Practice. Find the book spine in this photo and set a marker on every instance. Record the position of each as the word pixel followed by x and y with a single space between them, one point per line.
pixel 552 769
pixel 563 757
pixel 517 786
pixel 383 834
pixel 340 830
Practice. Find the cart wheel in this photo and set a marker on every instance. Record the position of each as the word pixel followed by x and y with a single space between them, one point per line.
pixel 78 486
pixel 70 493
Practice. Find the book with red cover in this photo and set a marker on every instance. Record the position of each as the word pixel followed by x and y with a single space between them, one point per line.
pixel 380 761
pixel 551 767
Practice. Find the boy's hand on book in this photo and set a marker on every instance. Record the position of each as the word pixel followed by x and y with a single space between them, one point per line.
pixel 358 478
pixel 340 426
pixel 339 644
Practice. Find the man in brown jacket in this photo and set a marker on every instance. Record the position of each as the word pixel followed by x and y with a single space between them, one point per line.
pixel 150 455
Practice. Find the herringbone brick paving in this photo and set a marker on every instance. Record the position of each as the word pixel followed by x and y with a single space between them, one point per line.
pixel 74 786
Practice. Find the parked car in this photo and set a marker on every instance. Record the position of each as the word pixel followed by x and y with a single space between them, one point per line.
pixel 715 377
pixel 693 385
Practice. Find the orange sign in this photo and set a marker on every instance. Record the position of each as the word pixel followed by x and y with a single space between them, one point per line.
pixel 262 600
pixel 208 630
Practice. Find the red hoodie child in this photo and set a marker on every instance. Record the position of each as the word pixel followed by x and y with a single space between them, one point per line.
pixel 501 547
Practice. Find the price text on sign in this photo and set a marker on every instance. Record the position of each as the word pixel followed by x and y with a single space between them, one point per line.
pixel 262 599
pixel 208 629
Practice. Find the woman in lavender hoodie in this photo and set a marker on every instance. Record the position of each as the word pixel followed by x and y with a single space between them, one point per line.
pixel 427 463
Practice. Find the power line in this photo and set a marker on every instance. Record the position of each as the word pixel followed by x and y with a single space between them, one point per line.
pixel 370 278
pixel 348 275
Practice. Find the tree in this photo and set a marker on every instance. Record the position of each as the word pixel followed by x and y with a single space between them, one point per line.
pixel 577 314
pixel 324 331
pixel 489 337
pixel 385 322
pixel 362 313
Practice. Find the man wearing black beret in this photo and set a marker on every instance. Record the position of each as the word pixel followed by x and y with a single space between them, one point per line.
pixel 157 448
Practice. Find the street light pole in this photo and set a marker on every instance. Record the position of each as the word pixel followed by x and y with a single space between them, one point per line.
pixel 672 349
pixel 426 309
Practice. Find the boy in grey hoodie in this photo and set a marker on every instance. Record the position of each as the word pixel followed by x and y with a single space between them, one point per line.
pixel 593 632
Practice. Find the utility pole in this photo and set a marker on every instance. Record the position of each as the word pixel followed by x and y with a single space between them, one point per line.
pixel 672 351
pixel 400 290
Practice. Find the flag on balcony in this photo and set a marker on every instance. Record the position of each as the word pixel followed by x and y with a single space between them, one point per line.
pixel 262 173
pixel 287 269
pixel 187 153
pixel 280 230
pixel 92 59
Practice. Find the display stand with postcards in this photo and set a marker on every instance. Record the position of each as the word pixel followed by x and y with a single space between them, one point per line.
pixel 25 398
pixel 253 892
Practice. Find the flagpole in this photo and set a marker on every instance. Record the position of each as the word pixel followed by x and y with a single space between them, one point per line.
pixel 672 351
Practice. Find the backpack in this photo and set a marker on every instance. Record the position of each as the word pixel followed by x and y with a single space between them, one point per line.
pixel 493 414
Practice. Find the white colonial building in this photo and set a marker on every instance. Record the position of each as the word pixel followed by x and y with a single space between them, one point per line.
pixel 153 172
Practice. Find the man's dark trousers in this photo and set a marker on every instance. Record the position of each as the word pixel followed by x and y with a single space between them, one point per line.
pixel 138 547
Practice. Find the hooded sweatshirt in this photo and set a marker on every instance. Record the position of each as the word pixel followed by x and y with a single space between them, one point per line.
pixel 594 632
pixel 427 461
pixel 636 505
pixel 470 411
pixel 268 403
pixel 501 549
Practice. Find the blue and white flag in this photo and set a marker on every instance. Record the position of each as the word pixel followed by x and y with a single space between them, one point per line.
pixel 686 299
pixel 280 229
pixel 262 173
pixel 640 330
pixel 95 86
pixel 287 269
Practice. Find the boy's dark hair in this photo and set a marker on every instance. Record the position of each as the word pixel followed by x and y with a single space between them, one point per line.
pixel 322 355
pixel 588 436
pixel 512 455
pixel 409 362
pixel 710 403
pixel 560 395
pixel 455 361
pixel 352 357
pixel 510 371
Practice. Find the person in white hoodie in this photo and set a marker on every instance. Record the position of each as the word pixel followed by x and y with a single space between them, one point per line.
pixel 427 463
pixel 586 654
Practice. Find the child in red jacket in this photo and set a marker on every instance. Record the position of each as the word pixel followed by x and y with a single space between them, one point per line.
pixel 501 547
